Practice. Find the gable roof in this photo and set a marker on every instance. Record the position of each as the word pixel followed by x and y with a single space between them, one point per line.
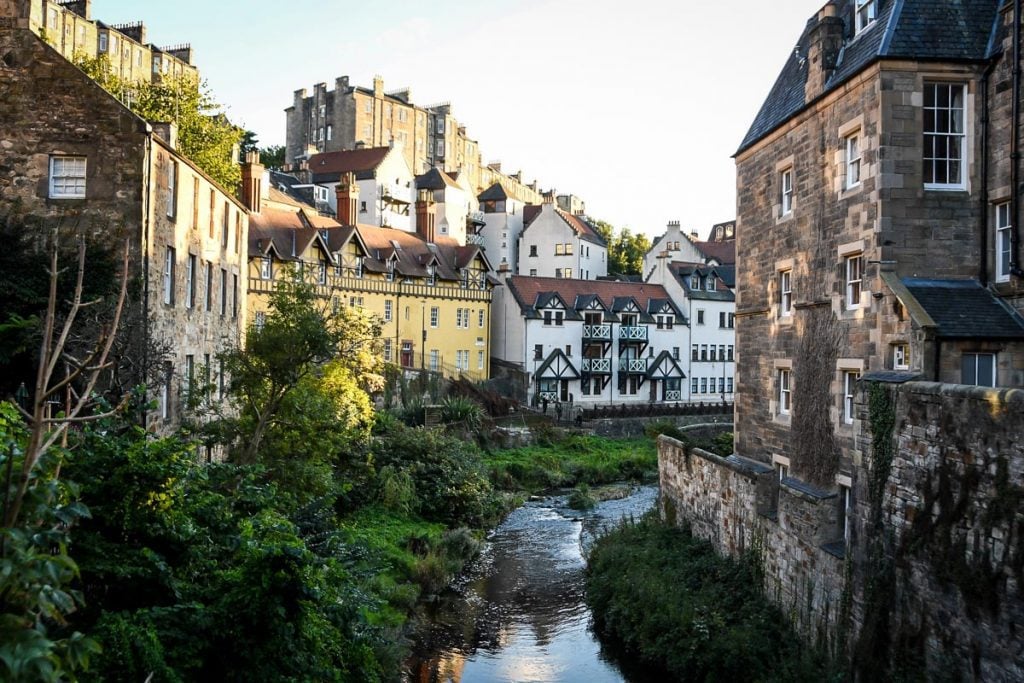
pixel 578 294
pixel 495 192
pixel 920 30
pixel 557 366
pixel 579 224
pixel 329 166
pixel 682 272
pixel 963 309
pixel 435 179
pixel 724 252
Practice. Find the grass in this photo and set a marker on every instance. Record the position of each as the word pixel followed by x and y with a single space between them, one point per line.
pixel 572 460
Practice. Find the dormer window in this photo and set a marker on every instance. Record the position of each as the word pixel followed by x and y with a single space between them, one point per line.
pixel 865 14
pixel 266 268
pixel 322 273
pixel 359 266
pixel 695 281
pixel 391 271
pixel 431 274
pixel 709 284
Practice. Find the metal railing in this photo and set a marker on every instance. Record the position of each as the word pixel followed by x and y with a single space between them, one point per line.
pixel 597 365
pixel 603 332
pixel 632 333
pixel 671 395
pixel 633 365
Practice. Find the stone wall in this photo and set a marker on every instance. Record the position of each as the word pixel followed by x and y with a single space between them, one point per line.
pixel 626 427
pixel 929 575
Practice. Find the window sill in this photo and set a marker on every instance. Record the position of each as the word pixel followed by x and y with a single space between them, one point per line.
pixel 781 419
pixel 786 319
pixel 944 188
pixel 784 218
pixel 848 192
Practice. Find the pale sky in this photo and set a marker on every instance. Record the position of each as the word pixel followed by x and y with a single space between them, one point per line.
pixel 635 106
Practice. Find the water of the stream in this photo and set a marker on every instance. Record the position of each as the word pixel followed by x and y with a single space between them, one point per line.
pixel 518 613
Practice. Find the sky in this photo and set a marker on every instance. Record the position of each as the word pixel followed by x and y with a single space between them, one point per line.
pixel 635 106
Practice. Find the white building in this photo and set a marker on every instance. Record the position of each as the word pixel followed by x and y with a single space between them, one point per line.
pixel 386 183
pixel 454 206
pixel 503 224
pixel 679 246
pixel 593 342
pixel 560 245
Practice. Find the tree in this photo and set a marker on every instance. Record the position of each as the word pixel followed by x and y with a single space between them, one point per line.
pixel 205 135
pixel 272 156
pixel 300 335
pixel 625 250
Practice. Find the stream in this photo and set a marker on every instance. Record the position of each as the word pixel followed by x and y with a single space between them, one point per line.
pixel 518 612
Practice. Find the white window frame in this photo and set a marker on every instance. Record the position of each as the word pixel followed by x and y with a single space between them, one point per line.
pixel 865 13
pixel 784 378
pixel 387 350
pixel 480 360
pixel 977 356
pixel 434 360
pixel 850 378
pixel 172 189
pixel 190 281
pixel 853 160
pixel 955 141
pixel 1003 242
pixel 67 177
pixel 435 314
pixel 786 293
pixel 388 310
pixel 853 282
pixel 901 356
pixel 169 262
pixel 786 185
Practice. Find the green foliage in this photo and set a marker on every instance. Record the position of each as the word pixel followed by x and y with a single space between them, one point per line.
pixel 447 475
pixel 667 600
pixel 205 136
pixel 462 412
pixel 669 429
pixel 36 572
pixel 581 498
pixel 573 460
pixel 626 251
pixel 272 156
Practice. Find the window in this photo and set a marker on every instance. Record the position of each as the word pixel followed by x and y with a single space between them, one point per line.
pixel 703 385
pixel 696 353
pixel 786 185
pixel 169 276
pixel 559 249
pixel 221 383
pixel 675 352
pixel 695 281
pixel 709 283
pixel 844 512
pixel 850 378
pixel 728 352
pixel 783 378
pixel 693 385
pixel 260 320
pixel 854 269
pixel 732 320
pixel 223 291
pixel 865 11
pixel 368 106
pixel 213 211
pixel 721 385
pixel 234 295
pixel 387 350
pixel 901 357
pixel 434 316
pixel 225 226
pixel 195 203
pixel 852 160
pixel 67 177
pixel 728 385
pixel 700 316
pixel 190 372
pixel 533 250
pixel 944 136
pixel 479 360
pixel 209 286
pixel 538 351
pixel 321 272
pixel 786 293
pixel 1003 236
pixel 704 352
pixel 172 189
pixel 714 353
pixel 978 369
pixel 190 281
pixel 388 312
pixel 533 272
pixel 481 317
pixel 568 249
pixel 165 390
pixel 559 317
pixel 434 359
pixel 330 131
pixel 103 42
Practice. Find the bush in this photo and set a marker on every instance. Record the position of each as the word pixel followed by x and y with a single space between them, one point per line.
pixel 462 411
pixel 669 601
pixel 581 498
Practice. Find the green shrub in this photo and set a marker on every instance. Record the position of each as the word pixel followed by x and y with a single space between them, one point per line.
pixel 668 428
pixel 670 602
pixel 581 498
pixel 463 412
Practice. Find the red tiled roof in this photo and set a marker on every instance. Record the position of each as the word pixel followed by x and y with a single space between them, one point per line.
pixel 526 289
pixel 348 161
pixel 723 252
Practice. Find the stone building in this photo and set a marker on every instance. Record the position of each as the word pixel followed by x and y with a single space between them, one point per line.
pixel 92 161
pixel 431 294
pixel 876 240
pixel 69 27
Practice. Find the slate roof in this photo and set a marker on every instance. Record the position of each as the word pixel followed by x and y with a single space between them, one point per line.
pixel 683 271
pixel 532 292
pixel 723 252
pixel 920 30
pixel 493 193
pixel 434 179
pixel 963 309
pixel 329 166
pixel 579 224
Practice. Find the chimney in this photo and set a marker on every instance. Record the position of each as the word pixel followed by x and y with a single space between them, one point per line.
pixel 347 194
pixel 168 132
pixel 341 84
pixel 425 214
pixel 252 181
pixel 673 224
pixel 17 12
pixel 548 197
pixel 694 236
pixel 378 86
pixel 824 40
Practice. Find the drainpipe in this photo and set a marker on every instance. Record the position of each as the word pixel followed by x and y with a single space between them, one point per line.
pixel 1015 148
pixel 983 262
pixel 146 246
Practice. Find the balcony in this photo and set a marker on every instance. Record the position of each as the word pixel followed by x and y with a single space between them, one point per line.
pixel 475 239
pixel 633 365
pixel 675 395
pixel 598 332
pixel 597 366
pixel 629 333
pixel 549 396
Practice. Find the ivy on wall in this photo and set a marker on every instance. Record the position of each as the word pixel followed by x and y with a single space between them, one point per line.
pixel 815 456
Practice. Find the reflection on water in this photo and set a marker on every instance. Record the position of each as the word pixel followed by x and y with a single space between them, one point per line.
pixel 518 613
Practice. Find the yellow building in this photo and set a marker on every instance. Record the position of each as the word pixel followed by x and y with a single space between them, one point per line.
pixel 433 297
